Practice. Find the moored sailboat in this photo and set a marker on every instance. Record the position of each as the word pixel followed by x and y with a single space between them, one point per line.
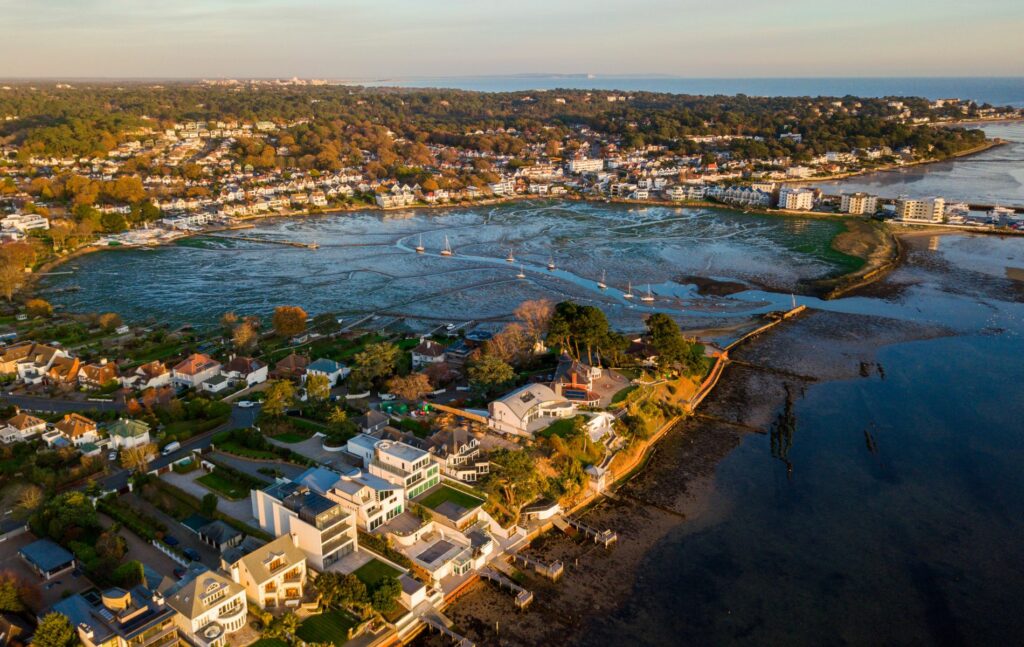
pixel 447 251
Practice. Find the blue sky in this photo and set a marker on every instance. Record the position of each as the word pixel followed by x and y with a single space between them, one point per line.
pixel 361 39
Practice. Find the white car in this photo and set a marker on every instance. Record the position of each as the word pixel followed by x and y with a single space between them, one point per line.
pixel 450 326
pixel 387 397
pixel 112 456
pixel 245 404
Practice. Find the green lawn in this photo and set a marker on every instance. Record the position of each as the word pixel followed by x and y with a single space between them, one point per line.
pixel 329 627
pixel 560 428
pixel 374 571
pixel 290 437
pixel 623 394
pixel 269 642
pixel 232 447
pixel 447 493
pixel 225 485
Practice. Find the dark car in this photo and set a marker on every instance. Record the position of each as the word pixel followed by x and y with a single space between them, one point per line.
pixel 191 554
pixel 171 540
pixel 179 573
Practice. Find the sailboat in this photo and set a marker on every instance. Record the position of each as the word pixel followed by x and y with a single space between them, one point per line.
pixel 522 273
pixel 629 291
pixel 510 258
pixel 551 263
pixel 447 251
pixel 420 248
pixel 314 245
pixel 601 284
pixel 648 296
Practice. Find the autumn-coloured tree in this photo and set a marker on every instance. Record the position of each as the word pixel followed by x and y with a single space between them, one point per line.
pixel 109 320
pixel 289 320
pixel 60 231
pixel 535 317
pixel 410 387
pixel 244 337
pixel 318 387
pixel 30 497
pixel 228 320
pixel 38 308
pixel 280 395
pixel 509 344
pixel 14 258
pixel 137 458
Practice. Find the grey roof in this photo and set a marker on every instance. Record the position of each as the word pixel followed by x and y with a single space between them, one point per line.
pixel 324 365
pixel 526 397
pixel 219 532
pixel 187 595
pixel 318 479
pixel 235 553
pixel 47 555
pixel 401 451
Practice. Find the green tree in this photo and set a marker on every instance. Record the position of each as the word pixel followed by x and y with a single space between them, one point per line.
pixel 385 594
pixel 672 348
pixel 208 505
pixel 375 364
pixel 513 481
pixel 489 373
pixel 280 395
pixel 55 630
pixel 10 594
pixel 129 574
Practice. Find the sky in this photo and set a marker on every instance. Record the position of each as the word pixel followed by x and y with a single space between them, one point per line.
pixel 375 39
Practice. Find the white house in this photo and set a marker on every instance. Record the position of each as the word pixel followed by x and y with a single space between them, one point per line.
pixel 128 433
pixel 274 575
pixel 427 352
pixel 209 605
pixel 323 529
pixel 21 426
pixel 195 370
pixel 396 462
pixel 333 371
pixel 246 370
pixel 528 409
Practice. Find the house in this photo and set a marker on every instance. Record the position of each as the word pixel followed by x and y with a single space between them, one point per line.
pixel 78 429
pixel 246 370
pixel 575 380
pixel 29 361
pixel 47 558
pixel 426 353
pixel 220 535
pixel 372 421
pixel 396 462
pixel 292 367
pixel 333 371
pixel 150 375
pixel 458 453
pixel 209 605
pixel 128 432
pixel 120 618
pixel 63 371
pixel 97 374
pixel 323 529
pixel 194 370
pixel 21 426
pixel 215 384
pixel 274 575
pixel 372 500
pixel 528 409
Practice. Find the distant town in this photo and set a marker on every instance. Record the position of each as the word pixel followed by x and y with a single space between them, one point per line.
pixel 315 479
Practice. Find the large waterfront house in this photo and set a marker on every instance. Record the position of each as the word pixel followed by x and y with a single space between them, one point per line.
pixel 274 575
pixel 209 606
pixel 98 374
pixel 119 618
pixel 194 370
pixel 396 462
pixel 322 528
pixel 457 451
pixel 528 409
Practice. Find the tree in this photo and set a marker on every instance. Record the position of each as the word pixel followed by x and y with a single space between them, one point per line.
pixel 489 372
pixel 10 593
pixel 109 321
pixel 341 590
pixel 29 499
pixel 228 320
pixel 673 350
pixel 55 630
pixel 411 387
pixel 535 318
pixel 385 593
pixel 509 344
pixel 65 517
pixel 111 546
pixel 280 395
pixel 136 459
pixel 38 308
pixel 337 418
pixel 14 258
pixel 244 337
pixel 289 320
pixel 513 481
pixel 574 326
pixel 208 505
pixel 376 363
pixel 129 574
pixel 60 231
pixel 318 387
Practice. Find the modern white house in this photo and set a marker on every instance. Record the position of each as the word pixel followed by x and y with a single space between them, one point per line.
pixel 322 528
pixel 396 462
pixel 372 500
pixel 528 409
pixel 150 375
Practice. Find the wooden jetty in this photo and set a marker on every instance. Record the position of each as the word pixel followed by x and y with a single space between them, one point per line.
pixel 523 597
pixel 605 537
pixel 441 628
pixel 552 571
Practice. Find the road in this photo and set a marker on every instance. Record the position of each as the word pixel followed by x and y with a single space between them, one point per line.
pixel 58 405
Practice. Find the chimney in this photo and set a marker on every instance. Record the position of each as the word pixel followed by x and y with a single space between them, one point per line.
pixel 103 362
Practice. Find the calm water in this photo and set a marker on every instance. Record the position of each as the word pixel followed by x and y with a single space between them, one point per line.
pixel 915 541
pixel 366 264
pixel 995 176
pixel 997 91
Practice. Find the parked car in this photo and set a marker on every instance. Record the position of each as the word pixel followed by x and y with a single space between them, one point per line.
pixel 171 447
pixel 171 540
pixel 245 404
pixel 387 397
pixel 191 554
pixel 112 456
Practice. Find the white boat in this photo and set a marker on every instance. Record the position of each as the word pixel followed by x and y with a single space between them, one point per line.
pixel 522 274
pixel 601 284
pixel 420 248
pixel 629 291
pixel 551 263
pixel 648 296
pixel 510 258
pixel 447 251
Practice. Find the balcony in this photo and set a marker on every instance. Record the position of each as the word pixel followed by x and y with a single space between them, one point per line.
pixel 293 577
pixel 231 613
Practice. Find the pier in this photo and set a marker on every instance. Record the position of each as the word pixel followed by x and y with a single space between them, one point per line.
pixel 552 571
pixel 438 626
pixel 272 241
pixel 605 537
pixel 523 597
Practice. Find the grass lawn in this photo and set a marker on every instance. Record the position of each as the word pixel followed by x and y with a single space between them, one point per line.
pixel 560 428
pixel 623 394
pixel 374 571
pixel 448 493
pixel 269 642
pixel 224 485
pixel 329 627
pixel 231 447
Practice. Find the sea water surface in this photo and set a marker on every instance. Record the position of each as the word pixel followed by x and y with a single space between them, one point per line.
pixel 995 176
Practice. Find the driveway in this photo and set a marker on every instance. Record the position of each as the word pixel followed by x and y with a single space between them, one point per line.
pixel 241 510
pixel 142 550
pixel 312 448
pixel 186 537
pixel 252 468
